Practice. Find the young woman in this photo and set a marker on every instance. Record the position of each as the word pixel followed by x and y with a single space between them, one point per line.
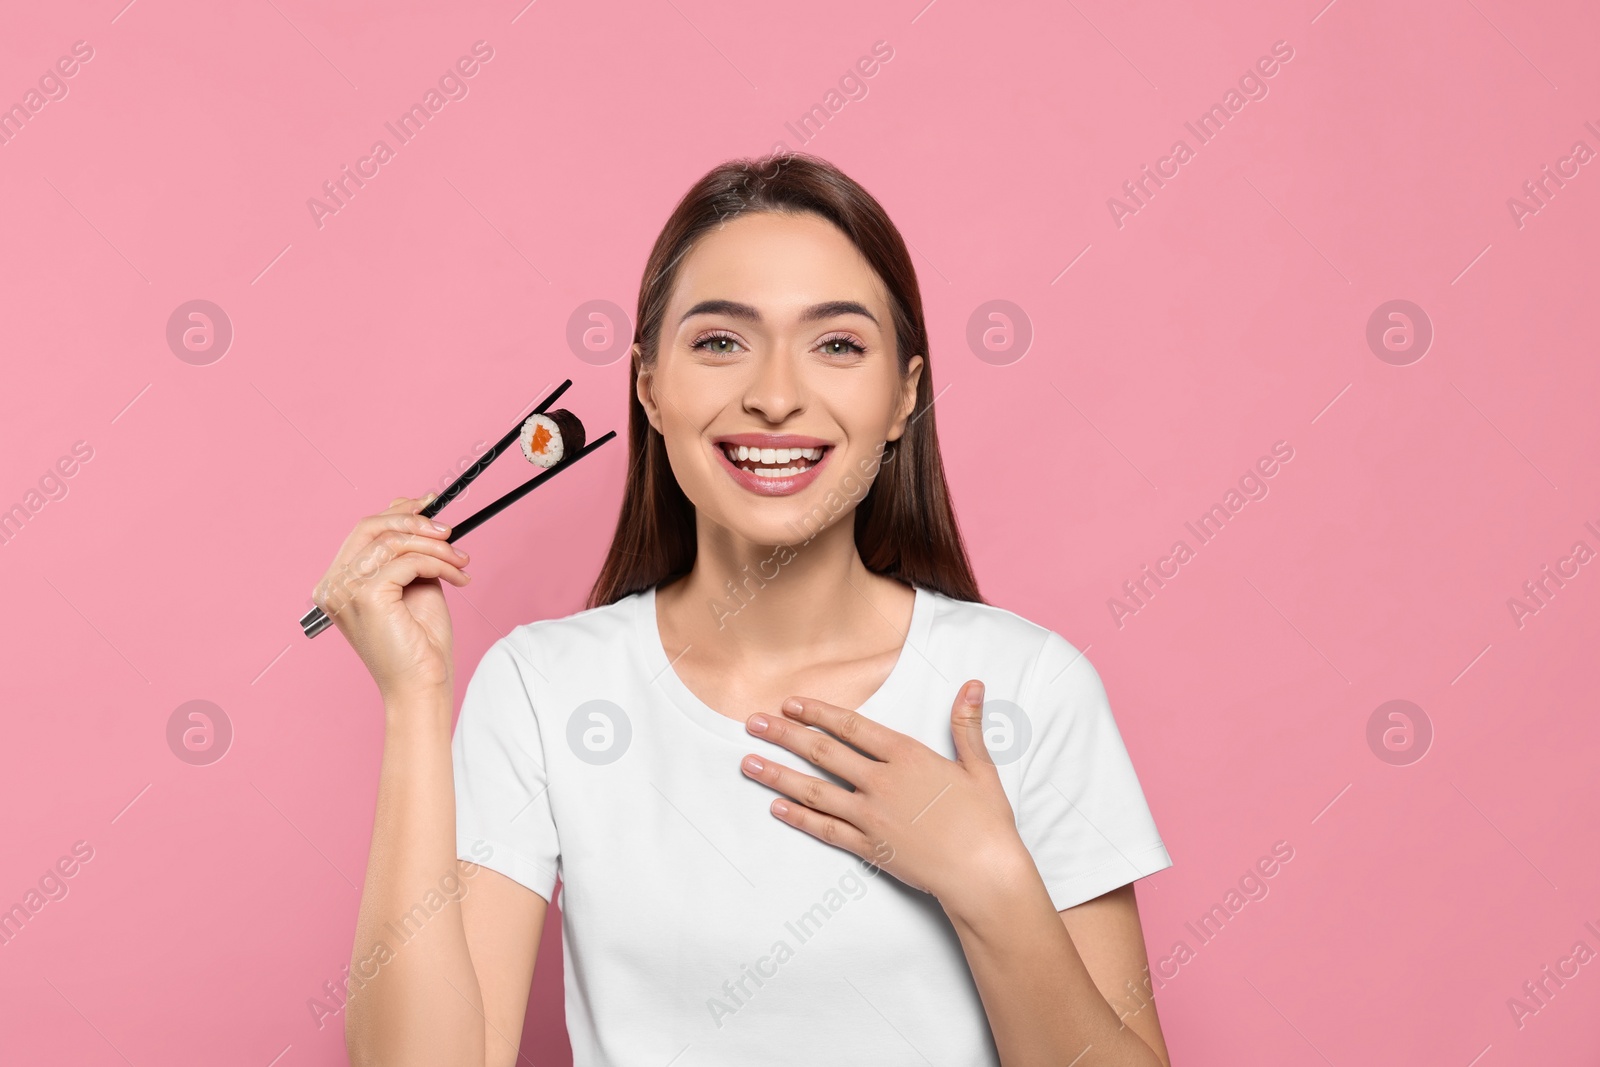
pixel 809 798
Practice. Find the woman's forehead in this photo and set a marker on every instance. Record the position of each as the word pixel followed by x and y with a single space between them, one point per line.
pixel 779 264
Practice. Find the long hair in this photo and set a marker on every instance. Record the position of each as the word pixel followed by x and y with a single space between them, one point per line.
pixel 904 527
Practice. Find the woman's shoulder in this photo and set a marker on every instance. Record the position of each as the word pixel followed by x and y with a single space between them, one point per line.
pixel 584 632
pixel 995 632
pixel 973 619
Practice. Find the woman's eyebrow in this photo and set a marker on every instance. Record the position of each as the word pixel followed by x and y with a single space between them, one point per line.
pixel 734 309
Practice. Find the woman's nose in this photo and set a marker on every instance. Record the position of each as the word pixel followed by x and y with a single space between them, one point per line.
pixel 775 390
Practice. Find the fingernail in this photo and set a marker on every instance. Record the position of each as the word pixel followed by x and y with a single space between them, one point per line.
pixel 439 526
pixel 975 693
pixel 753 765
pixel 780 808
pixel 758 724
pixel 793 706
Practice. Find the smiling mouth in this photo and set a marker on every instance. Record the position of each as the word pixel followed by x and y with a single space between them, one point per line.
pixel 773 462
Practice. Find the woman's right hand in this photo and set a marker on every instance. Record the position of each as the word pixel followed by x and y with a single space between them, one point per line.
pixel 382 591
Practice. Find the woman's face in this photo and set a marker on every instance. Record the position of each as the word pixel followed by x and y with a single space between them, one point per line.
pixel 776 383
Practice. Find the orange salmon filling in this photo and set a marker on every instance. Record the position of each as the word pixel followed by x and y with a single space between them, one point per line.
pixel 541 437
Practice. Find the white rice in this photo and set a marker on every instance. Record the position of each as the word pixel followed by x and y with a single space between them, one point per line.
pixel 554 448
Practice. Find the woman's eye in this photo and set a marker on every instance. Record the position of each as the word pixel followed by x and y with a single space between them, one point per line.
pixel 711 343
pixel 840 346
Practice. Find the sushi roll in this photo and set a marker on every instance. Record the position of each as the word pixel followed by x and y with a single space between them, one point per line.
pixel 548 438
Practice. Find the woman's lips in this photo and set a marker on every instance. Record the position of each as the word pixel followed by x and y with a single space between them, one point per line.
pixel 768 486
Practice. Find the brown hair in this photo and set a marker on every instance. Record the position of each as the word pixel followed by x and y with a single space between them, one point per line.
pixel 904 526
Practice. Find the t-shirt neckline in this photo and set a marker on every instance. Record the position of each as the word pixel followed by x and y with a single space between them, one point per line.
pixel 698 711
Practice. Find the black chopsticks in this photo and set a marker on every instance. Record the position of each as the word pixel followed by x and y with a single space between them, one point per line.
pixel 455 487
pixel 316 620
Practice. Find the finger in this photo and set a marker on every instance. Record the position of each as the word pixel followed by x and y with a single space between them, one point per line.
pixel 391 544
pixel 358 548
pixel 367 573
pixel 359 557
pixel 826 828
pixel 409 566
pixel 815 746
pixel 813 792
pixel 966 725
pixel 402 504
pixel 362 553
pixel 371 526
pixel 854 729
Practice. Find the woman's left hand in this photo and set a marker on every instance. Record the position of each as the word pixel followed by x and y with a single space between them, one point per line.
pixel 942 826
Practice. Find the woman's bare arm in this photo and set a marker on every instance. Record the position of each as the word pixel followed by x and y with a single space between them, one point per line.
pixel 1110 940
pixel 503 921
pixel 444 950
pixel 415 993
pixel 1048 979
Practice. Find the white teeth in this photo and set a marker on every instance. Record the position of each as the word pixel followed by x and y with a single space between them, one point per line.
pixel 768 472
pixel 780 460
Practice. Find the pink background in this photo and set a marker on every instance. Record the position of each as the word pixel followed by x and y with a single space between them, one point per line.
pixel 1227 314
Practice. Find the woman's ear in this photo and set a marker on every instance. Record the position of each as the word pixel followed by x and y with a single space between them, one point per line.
pixel 908 397
pixel 643 382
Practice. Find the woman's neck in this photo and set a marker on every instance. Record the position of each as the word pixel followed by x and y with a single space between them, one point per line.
pixel 754 600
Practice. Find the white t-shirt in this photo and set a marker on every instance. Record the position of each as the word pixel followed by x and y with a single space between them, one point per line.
pixel 699 929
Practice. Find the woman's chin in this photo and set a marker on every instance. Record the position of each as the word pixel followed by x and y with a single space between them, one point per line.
pixel 777 520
